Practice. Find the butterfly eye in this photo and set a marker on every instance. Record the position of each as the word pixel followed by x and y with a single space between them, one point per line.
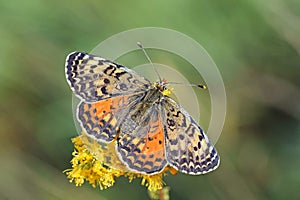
pixel 165 87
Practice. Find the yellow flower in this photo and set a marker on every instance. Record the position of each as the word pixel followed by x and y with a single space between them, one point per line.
pixel 102 166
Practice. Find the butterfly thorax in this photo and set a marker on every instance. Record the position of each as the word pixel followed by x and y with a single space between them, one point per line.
pixel 148 102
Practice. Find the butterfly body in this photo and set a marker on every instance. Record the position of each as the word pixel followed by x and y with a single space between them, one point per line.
pixel 150 129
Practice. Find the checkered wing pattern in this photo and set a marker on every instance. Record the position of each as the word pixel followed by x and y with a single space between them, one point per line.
pixel 93 78
pixel 187 147
pixel 101 120
pixel 141 141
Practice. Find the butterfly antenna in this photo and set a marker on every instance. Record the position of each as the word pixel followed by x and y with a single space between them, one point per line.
pixel 192 85
pixel 148 58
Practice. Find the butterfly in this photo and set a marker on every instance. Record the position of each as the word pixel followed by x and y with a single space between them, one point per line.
pixel 150 129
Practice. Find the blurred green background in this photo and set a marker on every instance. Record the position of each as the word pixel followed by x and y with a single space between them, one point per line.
pixel 254 43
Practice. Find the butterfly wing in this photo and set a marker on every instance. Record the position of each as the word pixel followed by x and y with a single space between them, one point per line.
pixel 141 141
pixel 101 120
pixel 187 147
pixel 93 78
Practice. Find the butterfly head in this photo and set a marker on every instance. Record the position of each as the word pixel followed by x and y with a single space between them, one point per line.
pixel 162 87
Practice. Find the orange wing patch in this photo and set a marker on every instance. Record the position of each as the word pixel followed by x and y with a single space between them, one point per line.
pixel 101 120
pixel 144 154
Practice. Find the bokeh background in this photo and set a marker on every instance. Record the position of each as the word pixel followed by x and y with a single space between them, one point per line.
pixel 254 43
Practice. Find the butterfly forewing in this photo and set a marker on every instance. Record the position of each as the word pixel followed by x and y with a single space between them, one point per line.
pixel 187 147
pixel 93 78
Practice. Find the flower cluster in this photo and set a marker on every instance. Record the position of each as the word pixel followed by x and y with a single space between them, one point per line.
pixel 99 165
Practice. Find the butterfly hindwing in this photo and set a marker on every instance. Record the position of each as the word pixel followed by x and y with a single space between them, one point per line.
pixel 141 141
pixel 93 78
pixel 101 120
pixel 187 147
